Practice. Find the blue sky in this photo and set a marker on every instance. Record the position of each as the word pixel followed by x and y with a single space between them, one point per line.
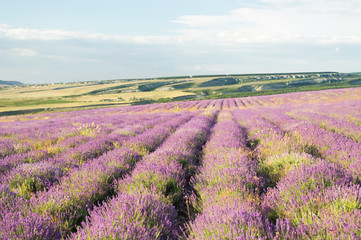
pixel 65 41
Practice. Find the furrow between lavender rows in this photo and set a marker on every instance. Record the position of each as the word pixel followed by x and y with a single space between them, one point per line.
pixel 65 205
pixel 151 202
pixel 276 150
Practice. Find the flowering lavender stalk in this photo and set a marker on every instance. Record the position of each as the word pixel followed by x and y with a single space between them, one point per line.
pixel 81 154
pixel 48 133
pixel 28 178
pixel 38 178
pixel 231 220
pixel 18 222
pixel 9 162
pixel 6 147
pixel 130 216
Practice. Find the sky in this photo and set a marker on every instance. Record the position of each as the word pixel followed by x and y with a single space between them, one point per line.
pixel 45 41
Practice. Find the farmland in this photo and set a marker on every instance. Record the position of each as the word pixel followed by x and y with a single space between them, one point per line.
pixel 122 92
pixel 284 166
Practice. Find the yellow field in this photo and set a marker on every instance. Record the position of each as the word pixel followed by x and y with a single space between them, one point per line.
pixel 77 95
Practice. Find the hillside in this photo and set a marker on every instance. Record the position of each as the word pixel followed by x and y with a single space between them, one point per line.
pixel 11 83
pixel 120 92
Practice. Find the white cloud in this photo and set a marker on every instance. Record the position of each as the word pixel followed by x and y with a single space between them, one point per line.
pixel 24 52
pixel 7 31
pixel 291 21
pixel 349 6
pixel 203 20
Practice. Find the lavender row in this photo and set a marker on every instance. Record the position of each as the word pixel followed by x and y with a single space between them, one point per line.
pixel 317 201
pixel 12 161
pixel 331 146
pixel 228 187
pixel 73 155
pixel 23 136
pixel 340 126
pixel 17 221
pixel 158 183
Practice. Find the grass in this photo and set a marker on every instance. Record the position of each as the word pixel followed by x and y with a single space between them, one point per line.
pixel 233 93
pixel 31 102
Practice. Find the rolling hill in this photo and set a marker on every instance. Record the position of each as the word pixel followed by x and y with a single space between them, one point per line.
pixel 16 98
pixel 11 83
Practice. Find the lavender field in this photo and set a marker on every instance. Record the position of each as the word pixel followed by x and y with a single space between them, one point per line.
pixel 269 167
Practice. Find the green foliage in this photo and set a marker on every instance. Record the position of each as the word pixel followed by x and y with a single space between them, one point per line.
pixel 249 90
pixel 183 85
pixel 276 167
pixel 151 86
pixel 110 90
pixel 88 130
pixel 165 186
pixel 220 82
pixel 31 102
pixel 164 100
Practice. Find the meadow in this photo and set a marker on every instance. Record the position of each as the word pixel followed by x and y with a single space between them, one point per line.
pixel 284 166
pixel 57 97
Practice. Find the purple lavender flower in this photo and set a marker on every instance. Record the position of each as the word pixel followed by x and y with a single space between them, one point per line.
pixel 301 194
pixel 131 216
pixel 28 179
pixel 18 222
pixel 232 220
pixel 68 202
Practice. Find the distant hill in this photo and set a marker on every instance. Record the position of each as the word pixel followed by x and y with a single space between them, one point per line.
pixel 11 83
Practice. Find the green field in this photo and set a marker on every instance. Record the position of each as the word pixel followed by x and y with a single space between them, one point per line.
pixel 95 94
